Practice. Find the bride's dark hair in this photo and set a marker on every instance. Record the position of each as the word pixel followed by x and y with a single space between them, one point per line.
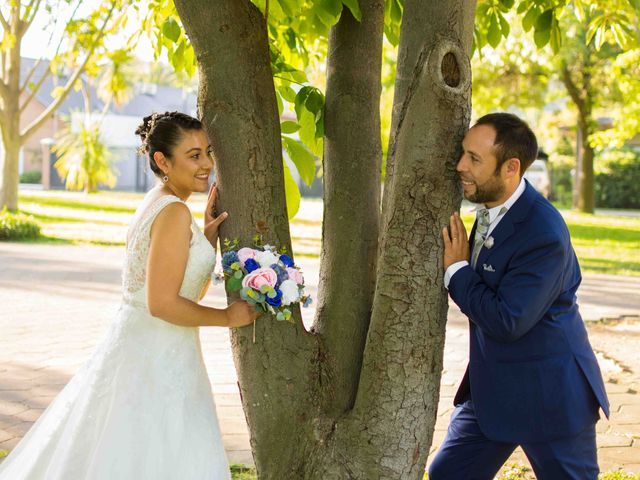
pixel 161 132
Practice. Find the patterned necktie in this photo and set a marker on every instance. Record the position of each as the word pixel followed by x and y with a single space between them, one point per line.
pixel 481 232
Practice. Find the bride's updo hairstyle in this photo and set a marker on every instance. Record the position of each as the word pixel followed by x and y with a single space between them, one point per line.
pixel 161 132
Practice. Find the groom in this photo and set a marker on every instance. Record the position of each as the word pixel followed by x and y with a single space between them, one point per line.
pixel 532 378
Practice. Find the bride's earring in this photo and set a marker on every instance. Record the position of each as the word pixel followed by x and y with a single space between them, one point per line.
pixel 165 179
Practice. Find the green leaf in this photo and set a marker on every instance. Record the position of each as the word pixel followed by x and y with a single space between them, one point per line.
pixel 320 125
pixel 177 59
pixel 493 34
pixel 288 93
pixel 354 6
pixel 543 23
pixel 280 105
pixel 595 25
pixel 504 26
pixel 189 61
pixel 289 127
pixel 302 158
pixel 600 38
pixel 238 274
pixel 396 11
pixel 530 18
pixel 521 8
pixel 292 192
pixel 556 37
pixel 288 6
pixel 234 284
pixel 307 132
pixel 328 11
pixel 171 29
pixel 301 98
pixel 541 37
pixel 392 35
pixel 314 101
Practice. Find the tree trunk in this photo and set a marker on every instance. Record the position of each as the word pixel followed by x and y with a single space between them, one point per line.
pixel 236 101
pixel 576 77
pixel 11 128
pixel 352 162
pixel 325 404
pixel 10 161
pixel 586 185
pixel 403 356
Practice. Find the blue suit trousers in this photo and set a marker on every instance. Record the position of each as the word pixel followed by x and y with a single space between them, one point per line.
pixel 467 454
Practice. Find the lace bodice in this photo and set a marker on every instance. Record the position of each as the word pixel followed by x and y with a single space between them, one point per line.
pixel 199 264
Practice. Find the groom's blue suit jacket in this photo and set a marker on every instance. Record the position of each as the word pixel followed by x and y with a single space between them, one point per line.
pixel 532 374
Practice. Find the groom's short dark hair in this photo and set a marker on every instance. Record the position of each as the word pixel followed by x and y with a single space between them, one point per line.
pixel 514 139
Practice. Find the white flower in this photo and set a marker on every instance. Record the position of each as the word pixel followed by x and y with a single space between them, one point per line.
pixel 290 292
pixel 266 258
pixel 488 243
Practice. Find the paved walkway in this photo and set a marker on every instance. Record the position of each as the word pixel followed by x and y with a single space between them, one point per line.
pixel 58 300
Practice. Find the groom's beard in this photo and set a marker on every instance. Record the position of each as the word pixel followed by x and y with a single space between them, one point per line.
pixel 488 192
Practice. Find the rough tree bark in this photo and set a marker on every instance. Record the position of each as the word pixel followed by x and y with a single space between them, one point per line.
pixel 356 397
pixel 352 162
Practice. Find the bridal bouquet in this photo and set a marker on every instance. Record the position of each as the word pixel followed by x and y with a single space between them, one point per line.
pixel 265 278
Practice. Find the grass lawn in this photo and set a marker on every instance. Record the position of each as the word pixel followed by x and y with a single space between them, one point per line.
pixel 604 244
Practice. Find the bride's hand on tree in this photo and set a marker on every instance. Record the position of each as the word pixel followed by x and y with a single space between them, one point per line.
pixel 212 222
pixel 240 314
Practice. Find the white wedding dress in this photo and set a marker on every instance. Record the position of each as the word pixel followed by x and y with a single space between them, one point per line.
pixel 141 408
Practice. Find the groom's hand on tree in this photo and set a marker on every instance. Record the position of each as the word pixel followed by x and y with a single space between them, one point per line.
pixel 456 242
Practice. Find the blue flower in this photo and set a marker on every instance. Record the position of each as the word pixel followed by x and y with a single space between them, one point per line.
pixel 250 265
pixel 287 260
pixel 281 272
pixel 276 299
pixel 228 259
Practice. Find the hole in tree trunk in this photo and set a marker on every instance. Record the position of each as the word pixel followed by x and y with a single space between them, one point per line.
pixel 450 70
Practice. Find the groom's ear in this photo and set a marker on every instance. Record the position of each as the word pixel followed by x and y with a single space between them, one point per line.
pixel 511 168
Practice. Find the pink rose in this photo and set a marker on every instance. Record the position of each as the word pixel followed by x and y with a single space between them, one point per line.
pixel 245 254
pixel 295 275
pixel 260 277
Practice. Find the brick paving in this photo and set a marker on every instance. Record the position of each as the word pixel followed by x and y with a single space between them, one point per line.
pixel 57 301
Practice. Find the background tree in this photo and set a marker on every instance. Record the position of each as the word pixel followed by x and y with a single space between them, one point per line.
pixel 356 395
pixel 81 43
pixel 586 55
pixel 84 159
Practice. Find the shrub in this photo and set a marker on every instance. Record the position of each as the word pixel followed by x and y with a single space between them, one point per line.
pixel 617 179
pixel 17 226
pixel 617 182
pixel 31 177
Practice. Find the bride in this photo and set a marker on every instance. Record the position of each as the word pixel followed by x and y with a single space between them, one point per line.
pixel 142 408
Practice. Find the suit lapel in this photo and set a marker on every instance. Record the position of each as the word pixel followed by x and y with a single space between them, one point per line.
pixel 507 226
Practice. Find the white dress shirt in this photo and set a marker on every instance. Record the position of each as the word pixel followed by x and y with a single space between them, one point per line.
pixel 494 220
